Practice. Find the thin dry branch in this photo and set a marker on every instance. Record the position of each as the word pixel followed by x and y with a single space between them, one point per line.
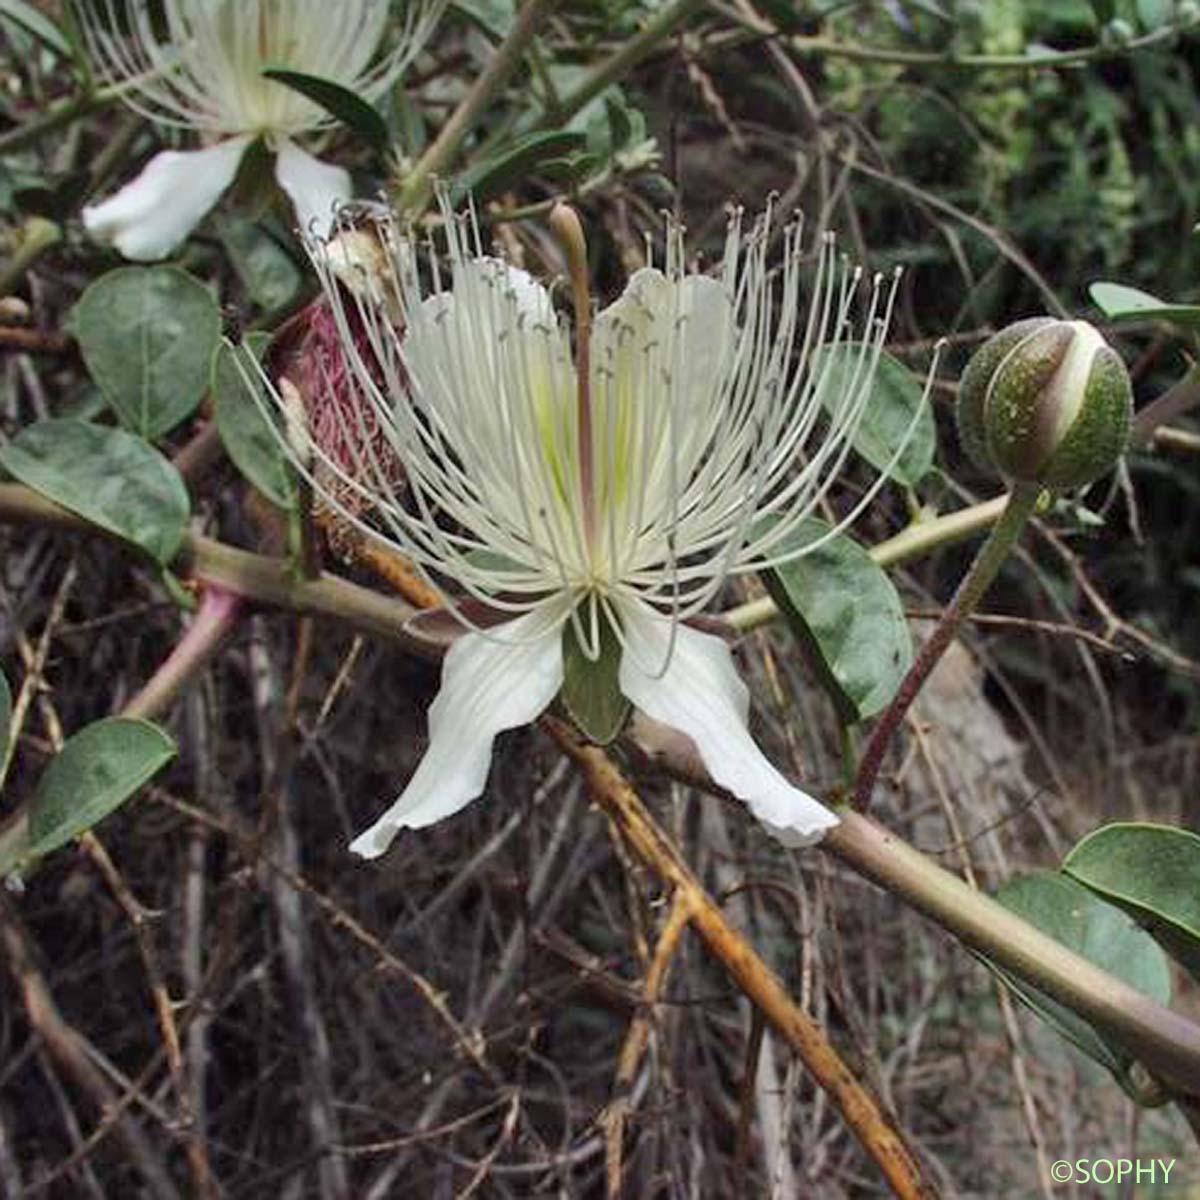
pixel 874 1130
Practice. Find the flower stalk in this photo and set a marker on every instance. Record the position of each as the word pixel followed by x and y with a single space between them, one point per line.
pixel 1021 503
pixel 1048 404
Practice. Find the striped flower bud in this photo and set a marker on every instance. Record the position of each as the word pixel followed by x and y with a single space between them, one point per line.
pixel 1046 401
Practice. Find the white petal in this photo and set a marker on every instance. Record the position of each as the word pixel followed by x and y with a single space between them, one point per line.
pixel 489 684
pixel 659 374
pixel 316 189
pixel 480 278
pixel 693 316
pixel 701 695
pixel 149 217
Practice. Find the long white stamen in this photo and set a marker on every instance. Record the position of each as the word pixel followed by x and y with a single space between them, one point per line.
pixel 643 475
pixel 206 72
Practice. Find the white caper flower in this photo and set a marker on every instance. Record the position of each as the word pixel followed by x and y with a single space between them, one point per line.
pixel 198 65
pixel 611 498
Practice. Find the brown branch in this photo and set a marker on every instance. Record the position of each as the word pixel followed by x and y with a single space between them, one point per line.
pixel 762 986
pixel 137 915
pixel 470 1043
pixel 636 1040
pixel 34 341
pixel 69 1049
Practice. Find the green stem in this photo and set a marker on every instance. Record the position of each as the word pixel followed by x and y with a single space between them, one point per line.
pixel 62 114
pixel 1180 440
pixel 418 184
pixel 37 236
pixel 256 577
pixel 1021 502
pixel 832 48
pixel 661 25
pixel 917 539
pixel 1167 1044
pixel 1181 397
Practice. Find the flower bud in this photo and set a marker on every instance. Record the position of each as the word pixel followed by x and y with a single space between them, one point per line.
pixel 1046 401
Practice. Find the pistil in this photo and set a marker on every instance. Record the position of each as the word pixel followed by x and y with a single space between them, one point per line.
pixel 564 221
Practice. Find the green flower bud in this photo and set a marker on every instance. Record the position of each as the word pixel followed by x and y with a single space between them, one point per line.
pixel 1047 402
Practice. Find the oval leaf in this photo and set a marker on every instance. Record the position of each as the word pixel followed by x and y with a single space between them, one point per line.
pixel 5 717
pixel 896 411
pixel 148 336
pixel 848 618
pixel 242 422
pixel 267 270
pixel 1153 873
pixel 1121 303
pixel 108 476
pixel 97 770
pixel 1101 933
pixel 517 161
pixel 590 689
pixel 350 109
pixel 36 23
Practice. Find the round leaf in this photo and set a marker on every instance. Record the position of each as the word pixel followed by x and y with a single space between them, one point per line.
pixel 97 770
pixel 1153 873
pixel 107 476
pixel 848 617
pixel 243 424
pixel 148 336
pixel 1101 933
pixel 896 411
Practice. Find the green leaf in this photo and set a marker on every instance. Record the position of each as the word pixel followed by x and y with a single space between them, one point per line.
pixel 267 270
pixel 243 424
pixel 108 476
pixel 1121 303
pixel 784 14
pixel 1153 14
pixel 36 23
pixel 97 770
pixel 494 18
pixel 590 690
pixel 848 617
pixel 349 108
pixel 408 122
pixel 520 159
pixel 1153 873
pixel 148 336
pixel 5 715
pixel 1101 933
pixel 895 411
